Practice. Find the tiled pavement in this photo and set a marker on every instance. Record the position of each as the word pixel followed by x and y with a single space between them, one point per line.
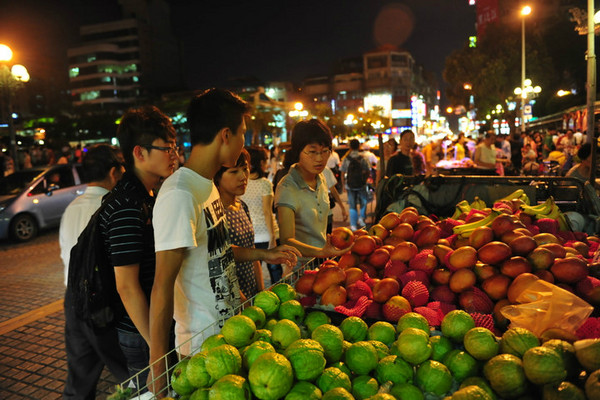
pixel 32 355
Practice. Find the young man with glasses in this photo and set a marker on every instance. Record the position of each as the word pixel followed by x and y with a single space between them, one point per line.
pixel 147 139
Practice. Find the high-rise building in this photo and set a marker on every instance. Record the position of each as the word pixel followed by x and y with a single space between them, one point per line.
pixel 120 63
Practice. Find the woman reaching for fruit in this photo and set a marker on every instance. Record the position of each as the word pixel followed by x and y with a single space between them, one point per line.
pixel 301 197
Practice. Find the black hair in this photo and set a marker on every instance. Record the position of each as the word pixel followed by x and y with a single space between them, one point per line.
pixel 141 126
pixel 212 111
pixel 258 154
pixel 406 132
pixel 305 133
pixel 243 160
pixel 584 151
pixel 354 144
pixel 99 160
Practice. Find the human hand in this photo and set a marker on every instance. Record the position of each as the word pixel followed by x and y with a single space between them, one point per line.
pixel 283 254
pixel 329 250
pixel 344 213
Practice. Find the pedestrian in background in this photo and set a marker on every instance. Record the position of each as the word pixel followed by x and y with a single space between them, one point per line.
pixel 259 198
pixel 88 352
pixel 356 170
pixel 103 168
pixel 401 162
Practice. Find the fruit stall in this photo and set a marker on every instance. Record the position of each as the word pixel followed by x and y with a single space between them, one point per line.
pixel 497 300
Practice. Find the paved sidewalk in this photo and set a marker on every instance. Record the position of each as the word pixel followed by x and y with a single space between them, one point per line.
pixel 32 355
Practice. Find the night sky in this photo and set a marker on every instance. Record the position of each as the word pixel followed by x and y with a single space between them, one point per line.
pixel 271 40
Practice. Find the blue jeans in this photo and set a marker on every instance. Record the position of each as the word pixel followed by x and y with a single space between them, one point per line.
pixel 357 196
pixel 137 353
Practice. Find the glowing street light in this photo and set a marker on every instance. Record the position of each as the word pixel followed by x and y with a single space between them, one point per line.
pixel 10 80
pixel 525 11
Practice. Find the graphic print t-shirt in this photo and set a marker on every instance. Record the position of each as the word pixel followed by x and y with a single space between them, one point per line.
pixel 189 214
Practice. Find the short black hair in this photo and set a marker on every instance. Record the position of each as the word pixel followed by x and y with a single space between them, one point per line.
pixel 99 160
pixel 584 151
pixel 212 111
pixel 258 154
pixel 304 133
pixel 354 144
pixel 243 160
pixel 406 132
pixel 140 127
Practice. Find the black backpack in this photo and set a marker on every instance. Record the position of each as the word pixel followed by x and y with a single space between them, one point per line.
pixel 91 283
pixel 357 173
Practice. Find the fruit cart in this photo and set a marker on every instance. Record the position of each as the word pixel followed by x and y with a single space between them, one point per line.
pixel 439 195
pixel 125 390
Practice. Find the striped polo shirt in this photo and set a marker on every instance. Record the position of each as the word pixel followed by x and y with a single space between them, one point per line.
pixel 126 227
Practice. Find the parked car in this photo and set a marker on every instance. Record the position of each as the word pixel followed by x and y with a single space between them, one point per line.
pixel 35 198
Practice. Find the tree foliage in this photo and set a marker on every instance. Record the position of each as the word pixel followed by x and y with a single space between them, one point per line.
pixel 554 60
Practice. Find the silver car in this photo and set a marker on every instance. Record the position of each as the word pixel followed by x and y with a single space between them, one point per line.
pixel 34 199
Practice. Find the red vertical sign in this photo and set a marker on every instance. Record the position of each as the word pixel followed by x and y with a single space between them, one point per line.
pixel 487 11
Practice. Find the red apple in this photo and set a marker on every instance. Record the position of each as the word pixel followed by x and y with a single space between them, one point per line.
pixel 364 245
pixel 481 236
pixel 304 284
pixel 335 295
pixel 496 287
pixel 379 230
pixel 390 220
pixel 360 232
pixel 429 234
pixel 463 257
pixel 378 258
pixel 522 245
pixel 342 237
pixel 409 216
pixel 461 280
pixel 385 289
pixel 353 274
pixel 541 258
pixel 328 264
pixel 328 277
pixel 392 241
pixel 483 271
pixel 348 260
pixel 494 252
pixel 515 266
pixel 404 231
pixel 369 269
pixel 441 276
pixel 404 252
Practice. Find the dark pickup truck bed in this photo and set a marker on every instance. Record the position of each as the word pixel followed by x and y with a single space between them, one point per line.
pixel 439 195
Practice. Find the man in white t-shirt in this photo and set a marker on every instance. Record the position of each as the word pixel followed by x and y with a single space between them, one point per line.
pixel 103 166
pixel 195 280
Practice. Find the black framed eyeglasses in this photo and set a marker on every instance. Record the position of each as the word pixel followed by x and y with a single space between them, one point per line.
pixel 166 149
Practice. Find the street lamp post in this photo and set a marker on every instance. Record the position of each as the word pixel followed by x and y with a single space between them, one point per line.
pixel 10 79
pixel 591 87
pixel 524 12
